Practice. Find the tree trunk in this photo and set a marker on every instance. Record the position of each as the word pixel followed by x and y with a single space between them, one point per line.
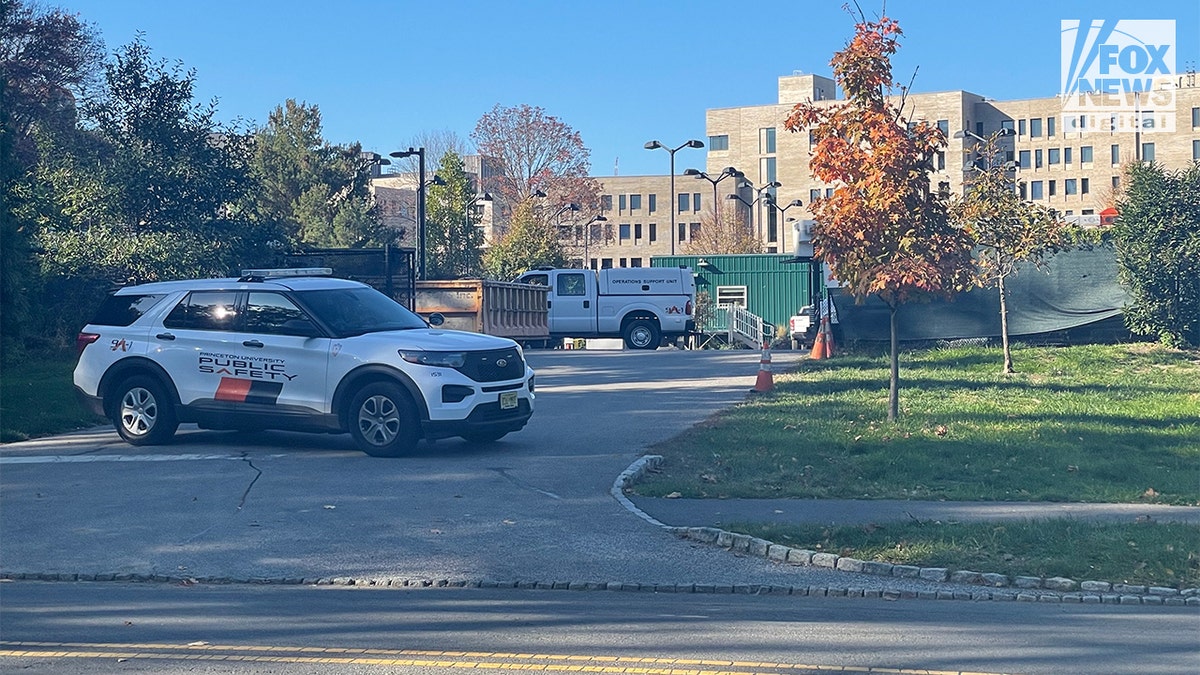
pixel 894 387
pixel 1008 366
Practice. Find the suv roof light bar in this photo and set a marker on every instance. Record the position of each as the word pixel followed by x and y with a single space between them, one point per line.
pixel 260 274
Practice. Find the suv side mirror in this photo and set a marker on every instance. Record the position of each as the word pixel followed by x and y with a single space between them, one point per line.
pixel 436 319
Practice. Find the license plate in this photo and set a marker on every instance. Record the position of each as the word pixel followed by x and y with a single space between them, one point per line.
pixel 508 400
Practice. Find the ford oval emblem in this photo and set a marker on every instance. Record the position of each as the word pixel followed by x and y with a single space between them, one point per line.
pixel 500 363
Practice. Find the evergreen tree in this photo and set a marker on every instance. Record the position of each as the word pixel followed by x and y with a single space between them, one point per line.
pixel 452 235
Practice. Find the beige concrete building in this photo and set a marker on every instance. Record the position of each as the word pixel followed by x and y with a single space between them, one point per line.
pixel 1069 166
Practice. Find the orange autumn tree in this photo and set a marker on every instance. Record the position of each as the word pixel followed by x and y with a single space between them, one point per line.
pixel 884 231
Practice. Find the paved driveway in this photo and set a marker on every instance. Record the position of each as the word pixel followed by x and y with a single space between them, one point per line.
pixel 276 505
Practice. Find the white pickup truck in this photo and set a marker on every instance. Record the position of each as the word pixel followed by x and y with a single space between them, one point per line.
pixel 641 305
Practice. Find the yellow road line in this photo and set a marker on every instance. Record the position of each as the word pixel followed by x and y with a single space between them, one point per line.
pixel 569 663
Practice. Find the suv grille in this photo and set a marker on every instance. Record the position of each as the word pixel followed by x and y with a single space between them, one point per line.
pixel 485 366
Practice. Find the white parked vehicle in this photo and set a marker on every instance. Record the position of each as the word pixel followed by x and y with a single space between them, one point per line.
pixel 641 305
pixel 284 349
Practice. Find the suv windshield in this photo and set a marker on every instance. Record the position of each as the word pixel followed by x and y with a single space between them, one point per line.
pixel 360 310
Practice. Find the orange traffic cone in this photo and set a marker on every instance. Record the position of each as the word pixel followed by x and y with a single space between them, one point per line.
pixel 765 381
pixel 819 350
pixel 828 330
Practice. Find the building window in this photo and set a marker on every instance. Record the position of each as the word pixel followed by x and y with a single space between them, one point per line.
pixel 653 232
pixel 684 200
pixel 1035 190
pixel 606 263
pixel 1147 119
pixel 637 231
pixel 1052 188
pixel 1067 156
pixel 1085 185
pixel 693 230
pixel 1035 127
pixel 1053 155
pixel 1021 189
pixel 1020 127
pixel 812 140
pixel 1037 158
pixel 635 262
pixel 623 234
pixel 652 202
pixel 682 234
pixel 815 193
pixel 1050 126
pixel 731 296
pixel 766 141
pixel 695 201
pixel 606 202
pixel 1006 124
pixel 828 193
pixel 635 202
pixel 1195 117
pixel 1024 161
pixel 1085 154
pixel 1147 152
pixel 1116 182
pixel 718 142
pixel 1195 150
pixel 941 161
pixel 979 128
pixel 622 263
pixel 621 199
pixel 1070 186
pixel 944 127
pixel 1116 155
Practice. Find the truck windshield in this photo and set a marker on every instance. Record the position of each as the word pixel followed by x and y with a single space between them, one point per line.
pixel 357 311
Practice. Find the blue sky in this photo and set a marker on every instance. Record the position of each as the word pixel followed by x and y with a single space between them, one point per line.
pixel 621 72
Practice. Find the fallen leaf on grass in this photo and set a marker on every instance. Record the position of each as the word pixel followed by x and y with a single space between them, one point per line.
pixel 674 495
pixel 1150 493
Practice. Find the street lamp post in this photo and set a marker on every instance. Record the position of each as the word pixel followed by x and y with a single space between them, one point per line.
pixel 749 206
pixel 770 202
pixel 727 172
pixel 655 145
pixel 587 237
pixel 420 153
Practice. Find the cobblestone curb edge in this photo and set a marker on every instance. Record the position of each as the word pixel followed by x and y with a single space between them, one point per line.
pixel 1027 589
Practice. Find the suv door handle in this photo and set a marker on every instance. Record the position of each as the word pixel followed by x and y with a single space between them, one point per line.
pixel 165 336
pixel 252 343
pixel 587 304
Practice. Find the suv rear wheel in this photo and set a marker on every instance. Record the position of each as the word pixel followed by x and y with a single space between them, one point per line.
pixel 383 420
pixel 142 412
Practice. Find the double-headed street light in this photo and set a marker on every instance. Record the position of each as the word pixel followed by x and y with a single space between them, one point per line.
pixel 727 172
pixel 420 153
pixel 655 145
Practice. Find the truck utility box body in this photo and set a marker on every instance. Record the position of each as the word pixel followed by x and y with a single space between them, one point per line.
pixel 641 305
pixel 511 310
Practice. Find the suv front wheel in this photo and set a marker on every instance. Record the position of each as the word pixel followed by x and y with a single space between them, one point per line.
pixel 383 420
pixel 142 412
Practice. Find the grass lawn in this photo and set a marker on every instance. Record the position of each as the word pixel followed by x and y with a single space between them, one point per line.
pixel 1110 423
pixel 37 398
pixel 1082 424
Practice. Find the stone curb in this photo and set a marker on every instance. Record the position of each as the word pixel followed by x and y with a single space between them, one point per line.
pixel 1189 598
pixel 1051 589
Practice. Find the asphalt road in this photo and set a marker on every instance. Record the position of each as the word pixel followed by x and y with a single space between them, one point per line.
pixel 155 628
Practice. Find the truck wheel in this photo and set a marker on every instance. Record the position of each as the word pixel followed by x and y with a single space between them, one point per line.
pixel 642 334
pixel 143 414
pixel 383 420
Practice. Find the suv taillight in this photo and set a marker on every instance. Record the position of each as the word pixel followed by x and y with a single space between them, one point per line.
pixel 83 340
pixel 687 309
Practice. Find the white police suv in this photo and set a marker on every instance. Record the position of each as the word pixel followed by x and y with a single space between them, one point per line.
pixel 293 349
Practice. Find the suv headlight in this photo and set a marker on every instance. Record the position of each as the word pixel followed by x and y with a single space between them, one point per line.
pixel 440 359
